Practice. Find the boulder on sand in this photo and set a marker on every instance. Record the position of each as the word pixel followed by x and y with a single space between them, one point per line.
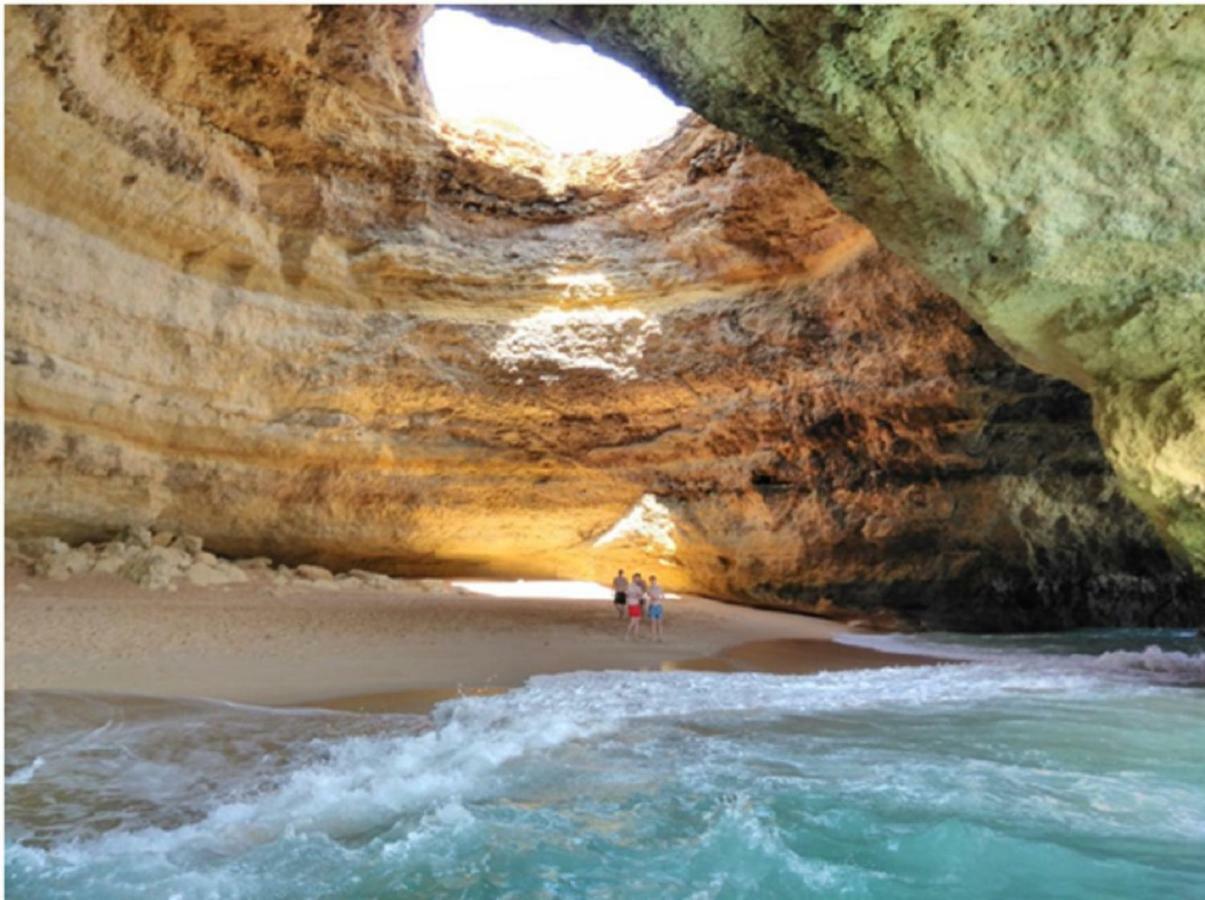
pixel 36 548
pixel 112 556
pixel 255 562
pixel 189 543
pixel 315 573
pixel 139 535
pixel 373 579
pixel 204 574
pixel 61 566
pixel 157 567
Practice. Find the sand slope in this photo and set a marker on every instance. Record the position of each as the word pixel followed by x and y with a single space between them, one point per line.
pixel 269 644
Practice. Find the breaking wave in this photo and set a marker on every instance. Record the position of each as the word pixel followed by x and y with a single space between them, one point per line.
pixel 991 777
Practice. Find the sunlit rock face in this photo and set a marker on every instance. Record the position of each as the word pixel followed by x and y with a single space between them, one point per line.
pixel 257 292
pixel 1043 165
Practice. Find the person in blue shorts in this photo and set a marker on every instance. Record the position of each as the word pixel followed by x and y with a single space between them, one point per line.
pixel 656 601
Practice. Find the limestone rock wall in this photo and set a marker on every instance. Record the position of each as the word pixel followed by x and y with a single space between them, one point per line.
pixel 256 292
pixel 1042 165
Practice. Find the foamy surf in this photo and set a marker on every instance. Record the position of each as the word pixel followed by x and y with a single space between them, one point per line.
pixel 1171 656
pixel 981 778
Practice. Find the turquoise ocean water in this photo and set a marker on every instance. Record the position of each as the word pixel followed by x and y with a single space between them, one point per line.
pixel 1068 766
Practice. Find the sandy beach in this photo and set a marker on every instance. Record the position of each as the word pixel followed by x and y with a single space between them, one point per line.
pixel 356 647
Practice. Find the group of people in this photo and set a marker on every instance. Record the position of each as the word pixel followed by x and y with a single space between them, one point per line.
pixel 637 600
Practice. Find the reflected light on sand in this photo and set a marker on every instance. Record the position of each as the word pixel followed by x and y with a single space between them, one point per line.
pixel 541 590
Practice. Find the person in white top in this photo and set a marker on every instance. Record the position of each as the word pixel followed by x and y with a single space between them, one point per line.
pixel 638 580
pixel 635 607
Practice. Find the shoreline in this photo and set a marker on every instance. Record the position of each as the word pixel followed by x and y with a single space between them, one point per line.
pixel 782 656
pixel 352 647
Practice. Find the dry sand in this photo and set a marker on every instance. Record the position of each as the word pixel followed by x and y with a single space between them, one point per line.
pixel 361 648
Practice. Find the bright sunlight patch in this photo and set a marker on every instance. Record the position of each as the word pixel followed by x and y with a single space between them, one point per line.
pixel 565 96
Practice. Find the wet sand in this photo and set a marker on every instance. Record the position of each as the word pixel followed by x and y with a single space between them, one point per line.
pixel 798 656
pixel 785 656
pixel 355 647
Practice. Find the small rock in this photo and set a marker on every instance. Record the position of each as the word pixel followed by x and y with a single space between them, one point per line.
pixel 36 548
pixel 255 562
pixel 189 543
pixel 315 573
pixel 162 538
pixel 156 567
pixel 824 607
pixel 204 574
pixel 112 556
pixel 139 536
pixel 109 564
pixel 173 556
pixel 13 555
pixel 61 566
pixel 372 579
pixel 206 557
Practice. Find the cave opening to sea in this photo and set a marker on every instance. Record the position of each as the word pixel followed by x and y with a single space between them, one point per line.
pixel 562 95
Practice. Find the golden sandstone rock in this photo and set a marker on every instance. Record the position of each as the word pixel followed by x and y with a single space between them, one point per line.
pixel 258 293
pixel 1042 164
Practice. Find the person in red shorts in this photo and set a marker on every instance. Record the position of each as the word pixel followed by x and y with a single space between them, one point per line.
pixel 635 608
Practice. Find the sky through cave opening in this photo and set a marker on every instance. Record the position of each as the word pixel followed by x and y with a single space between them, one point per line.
pixel 565 96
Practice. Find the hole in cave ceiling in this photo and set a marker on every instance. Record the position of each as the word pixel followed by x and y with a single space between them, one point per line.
pixel 564 96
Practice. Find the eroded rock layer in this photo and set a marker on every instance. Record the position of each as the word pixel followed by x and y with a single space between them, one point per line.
pixel 1041 164
pixel 258 293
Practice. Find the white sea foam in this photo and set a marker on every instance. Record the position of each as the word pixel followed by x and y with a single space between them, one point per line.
pixel 598 748
pixel 25 774
pixel 1179 666
pixel 361 785
pixel 1153 663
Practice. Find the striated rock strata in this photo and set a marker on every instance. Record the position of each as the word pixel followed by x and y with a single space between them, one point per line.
pixel 1043 165
pixel 257 292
